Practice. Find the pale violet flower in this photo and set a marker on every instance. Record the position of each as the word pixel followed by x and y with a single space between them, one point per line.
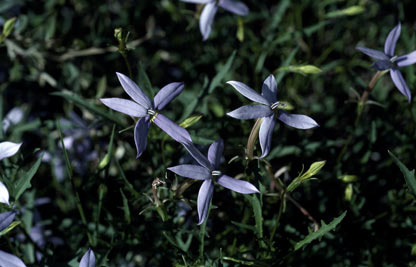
pixel 208 171
pixel 269 109
pixel 211 8
pixel 88 260
pixel 389 61
pixel 13 117
pixel 10 260
pixel 148 111
pixel 6 218
pixel 8 149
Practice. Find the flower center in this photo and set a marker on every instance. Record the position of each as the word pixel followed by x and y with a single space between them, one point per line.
pixel 276 105
pixel 152 113
pixel 215 175
pixel 393 59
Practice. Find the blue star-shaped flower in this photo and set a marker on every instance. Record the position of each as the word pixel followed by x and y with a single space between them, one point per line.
pixel 209 173
pixel 269 110
pixel 388 61
pixel 148 111
pixel 210 9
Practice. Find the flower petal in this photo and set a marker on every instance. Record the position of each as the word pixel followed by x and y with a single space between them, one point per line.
pixel 134 91
pixel 10 260
pixel 4 194
pixel 391 40
pixel 124 106
pixel 140 135
pixel 167 94
pixel 400 83
pixel 249 93
pixel 373 53
pixel 197 155
pixel 215 152
pixel 191 171
pixel 204 197
pixel 8 149
pixel 251 112
pixel 6 218
pixel 238 186
pixel 269 89
pixel 175 131
pixel 198 1
pixel 88 260
pixel 406 60
pixel 297 120
pixel 265 135
pixel 235 7
pixel 206 19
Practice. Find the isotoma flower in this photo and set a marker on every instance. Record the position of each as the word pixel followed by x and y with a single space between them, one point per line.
pixel 209 173
pixel 148 111
pixel 389 61
pixel 211 8
pixel 269 109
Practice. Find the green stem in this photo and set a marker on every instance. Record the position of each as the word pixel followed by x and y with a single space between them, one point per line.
pixel 70 174
pixel 279 214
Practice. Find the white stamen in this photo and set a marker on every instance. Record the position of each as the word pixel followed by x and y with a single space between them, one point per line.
pixel 216 173
pixel 151 112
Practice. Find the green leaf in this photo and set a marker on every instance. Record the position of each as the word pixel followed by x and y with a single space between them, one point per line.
pixel 24 182
pixel 220 75
pixel 79 101
pixel 240 29
pixel 107 158
pixel 325 228
pixel 126 209
pixel 7 29
pixel 349 11
pixel 10 227
pixel 190 121
pixel 258 217
pixel 313 169
pixel 409 176
pixel 302 69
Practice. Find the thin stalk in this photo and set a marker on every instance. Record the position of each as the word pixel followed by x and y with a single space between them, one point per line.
pixel 76 195
pixel 360 108
pixel 279 214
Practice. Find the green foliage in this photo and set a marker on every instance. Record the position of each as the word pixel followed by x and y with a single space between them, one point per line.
pixel 409 176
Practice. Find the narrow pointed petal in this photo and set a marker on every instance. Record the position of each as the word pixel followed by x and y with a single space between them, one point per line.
pixel 124 106
pixel 265 135
pixel 269 89
pixel 8 149
pixel 198 1
pixel 206 19
pixel 251 112
pixel 197 155
pixel 6 218
pixel 88 260
pixel 191 171
pixel 140 135
pixel 373 53
pixel 134 91
pixel 235 7
pixel 204 198
pixel 238 186
pixel 4 194
pixel 297 121
pixel 167 94
pixel 406 60
pixel 249 93
pixel 10 260
pixel 400 83
pixel 215 152
pixel 175 131
pixel 391 40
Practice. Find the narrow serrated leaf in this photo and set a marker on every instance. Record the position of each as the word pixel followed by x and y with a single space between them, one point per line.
pixel 24 182
pixel 409 176
pixel 220 75
pixel 190 121
pixel 325 228
pixel 349 11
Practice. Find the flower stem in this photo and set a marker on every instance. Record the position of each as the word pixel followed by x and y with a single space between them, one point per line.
pixel 360 108
pixel 251 142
